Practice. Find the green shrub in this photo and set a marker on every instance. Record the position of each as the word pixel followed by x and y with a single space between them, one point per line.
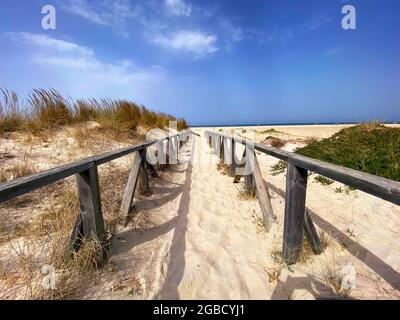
pixel 323 180
pixel 279 168
pixel 371 147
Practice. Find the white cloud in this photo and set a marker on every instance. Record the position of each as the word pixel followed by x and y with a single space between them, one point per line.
pixel 45 41
pixel 178 7
pixel 197 43
pixel 234 33
pixel 158 24
pixel 83 73
pixel 83 9
pixel 113 13
pixel 69 62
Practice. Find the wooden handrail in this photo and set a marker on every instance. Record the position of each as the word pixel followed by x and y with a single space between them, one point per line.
pixel 297 221
pixel 90 222
pixel 380 187
pixel 27 184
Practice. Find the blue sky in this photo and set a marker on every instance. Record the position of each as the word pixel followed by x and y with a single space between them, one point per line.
pixel 212 62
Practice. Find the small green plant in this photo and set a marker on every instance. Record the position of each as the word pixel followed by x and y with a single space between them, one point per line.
pixel 274 274
pixel 339 190
pixel 348 189
pixel 278 168
pixel 310 140
pixel 270 131
pixel 323 180
pixel 350 232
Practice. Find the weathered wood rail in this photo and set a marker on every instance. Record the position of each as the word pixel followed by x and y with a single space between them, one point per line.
pixel 90 222
pixel 297 221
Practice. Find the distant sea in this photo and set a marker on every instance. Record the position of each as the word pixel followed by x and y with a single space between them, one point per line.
pixel 280 124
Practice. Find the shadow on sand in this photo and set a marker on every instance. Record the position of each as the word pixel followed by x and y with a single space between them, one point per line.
pixel 176 265
pixel 285 290
pixel 127 240
pixel 390 275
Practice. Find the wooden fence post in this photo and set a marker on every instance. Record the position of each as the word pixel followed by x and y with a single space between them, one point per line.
pixel 225 152
pixel 262 195
pixel 311 234
pixel 172 150
pixel 296 187
pixel 232 167
pixel 168 142
pixel 221 149
pixel 181 141
pixel 217 148
pixel 242 164
pixel 131 186
pixel 249 186
pixel 177 148
pixel 90 222
pixel 144 187
pixel 249 183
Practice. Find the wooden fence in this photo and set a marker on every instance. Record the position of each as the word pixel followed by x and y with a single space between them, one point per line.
pixel 297 220
pixel 90 222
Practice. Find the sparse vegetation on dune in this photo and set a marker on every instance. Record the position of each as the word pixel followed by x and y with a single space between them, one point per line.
pixel 323 180
pixel 279 168
pixel 87 127
pixel 275 142
pixel 44 239
pixel 269 131
pixel 48 109
pixel 371 147
pixel 223 168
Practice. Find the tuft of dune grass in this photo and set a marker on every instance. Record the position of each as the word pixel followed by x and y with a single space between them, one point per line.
pixel 48 109
pixel 45 240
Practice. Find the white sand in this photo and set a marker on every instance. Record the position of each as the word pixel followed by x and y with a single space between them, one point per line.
pixel 196 238
pixel 204 242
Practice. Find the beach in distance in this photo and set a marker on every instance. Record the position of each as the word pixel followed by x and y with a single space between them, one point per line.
pixel 300 130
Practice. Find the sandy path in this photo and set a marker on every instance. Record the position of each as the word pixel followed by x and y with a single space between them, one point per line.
pixel 216 251
pixel 202 241
pixel 219 251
